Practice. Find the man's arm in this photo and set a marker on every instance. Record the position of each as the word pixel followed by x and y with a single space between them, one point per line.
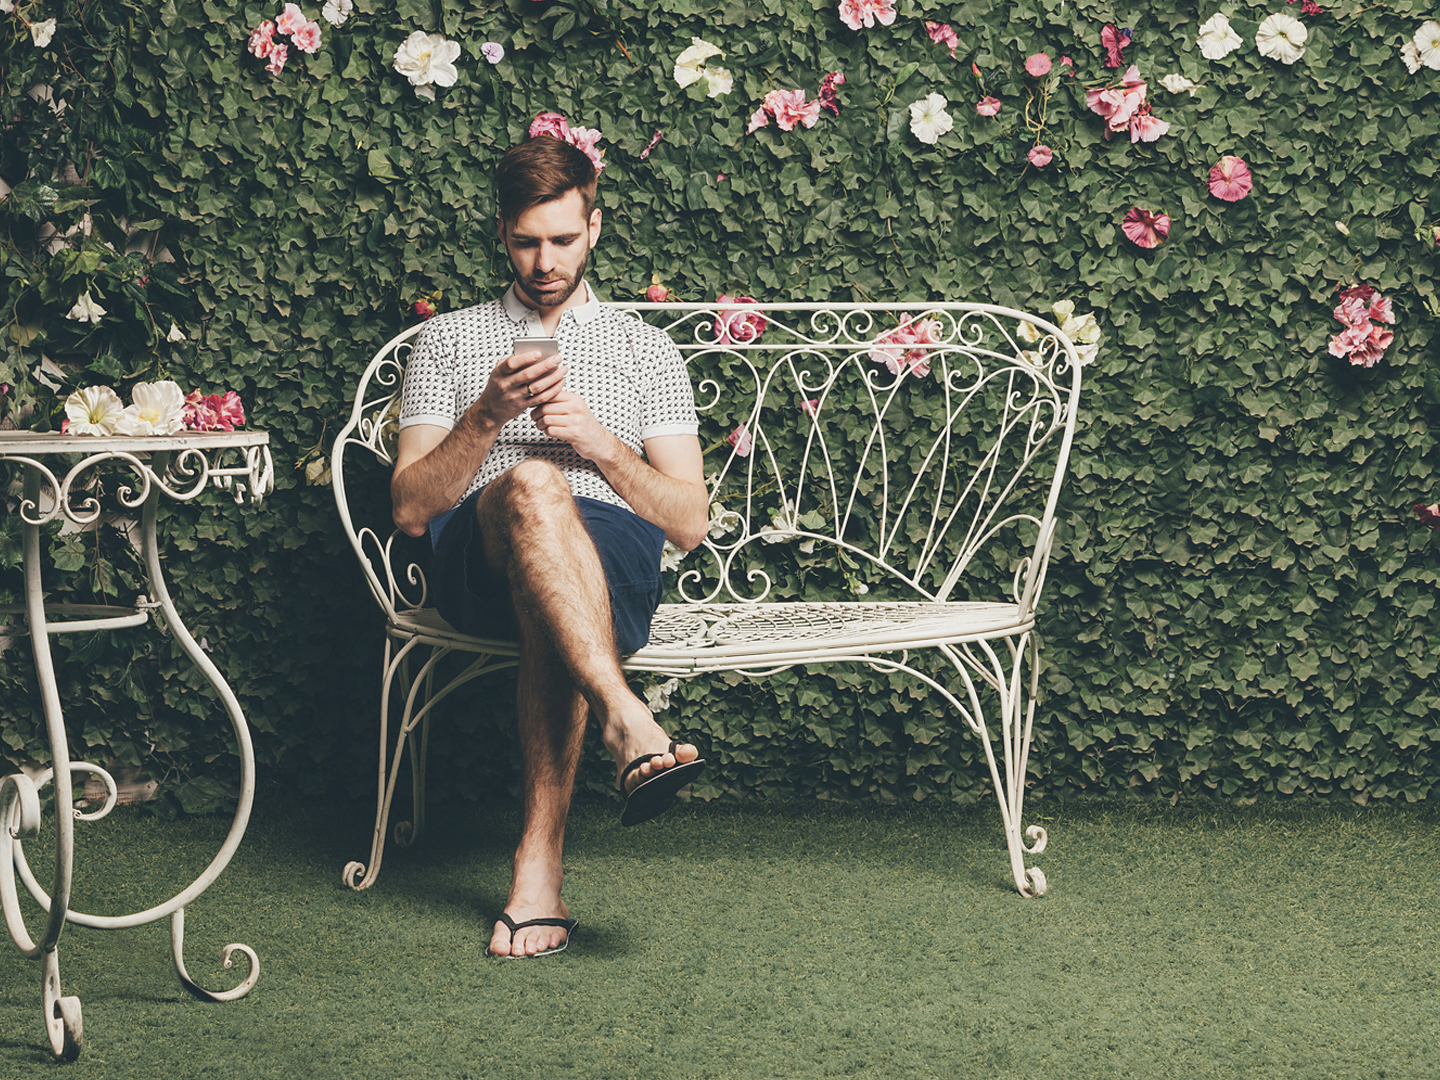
pixel 433 466
pixel 668 491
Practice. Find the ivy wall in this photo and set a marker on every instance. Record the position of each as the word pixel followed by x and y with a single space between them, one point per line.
pixel 1243 601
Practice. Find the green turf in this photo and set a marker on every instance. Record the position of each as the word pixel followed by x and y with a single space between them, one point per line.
pixel 813 941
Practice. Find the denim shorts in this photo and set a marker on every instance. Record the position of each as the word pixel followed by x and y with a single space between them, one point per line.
pixel 475 600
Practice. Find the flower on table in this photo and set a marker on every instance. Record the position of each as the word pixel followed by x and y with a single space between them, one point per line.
pixel 428 61
pixel 1115 41
pixel 1145 228
pixel 690 68
pixel 1040 156
pixel 738 327
pixel 1037 65
pixel 742 442
pixel 1179 84
pixel 335 12
pixel 493 52
pixel 1282 37
pixel 156 408
pixel 987 106
pixel 929 120
pixel 857 13
pixel 213 412
pixel 42 32
pixel 1428 515
pixel 94 410
pixel 1362 342
pixel 1230 179
pixel 1218 38
pixel 86 309
pixel 827 96
pixel 896 349
pixel 943 34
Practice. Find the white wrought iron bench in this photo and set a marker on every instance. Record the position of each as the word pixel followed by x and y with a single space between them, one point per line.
pixel 934 489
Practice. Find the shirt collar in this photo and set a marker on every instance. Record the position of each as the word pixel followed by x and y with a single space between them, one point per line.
pixel 583 312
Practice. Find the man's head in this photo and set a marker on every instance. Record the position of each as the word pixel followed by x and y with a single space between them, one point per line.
pixel 548 220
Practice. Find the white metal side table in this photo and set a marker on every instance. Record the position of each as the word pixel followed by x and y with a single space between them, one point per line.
pixel 60 474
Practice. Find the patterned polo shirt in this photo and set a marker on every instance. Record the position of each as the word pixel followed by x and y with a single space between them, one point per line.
pixel 629 373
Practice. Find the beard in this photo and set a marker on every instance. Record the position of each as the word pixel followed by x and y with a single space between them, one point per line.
pixel 529 286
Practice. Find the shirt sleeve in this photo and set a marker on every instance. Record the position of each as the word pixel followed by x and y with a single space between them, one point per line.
pixel 428 396
pixel 669 407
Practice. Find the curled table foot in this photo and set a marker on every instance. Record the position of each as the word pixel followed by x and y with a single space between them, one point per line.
pixel 177 952
pixel 62 1014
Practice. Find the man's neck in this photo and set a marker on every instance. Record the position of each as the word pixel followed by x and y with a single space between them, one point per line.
pixel 550 317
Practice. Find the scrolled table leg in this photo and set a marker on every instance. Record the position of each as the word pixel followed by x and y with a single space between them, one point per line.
pixel 177 953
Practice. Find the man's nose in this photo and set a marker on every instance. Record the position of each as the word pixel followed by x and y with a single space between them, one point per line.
pixel 545 259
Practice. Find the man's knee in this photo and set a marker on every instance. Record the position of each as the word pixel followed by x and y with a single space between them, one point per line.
pixel 532 489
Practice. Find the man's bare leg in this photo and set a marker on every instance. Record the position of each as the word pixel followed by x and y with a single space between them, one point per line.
pixel 534 535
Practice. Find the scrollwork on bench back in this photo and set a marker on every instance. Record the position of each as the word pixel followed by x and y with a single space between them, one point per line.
pixel 921 443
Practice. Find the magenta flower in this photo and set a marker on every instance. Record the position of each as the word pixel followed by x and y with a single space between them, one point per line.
pixel 857 13
pixel 1230 179
pixel 738 327
pixel 262 39
pixel 291 19
pixel 425 309
pixel 1145 228
pixel 1115 41
pixel 278 53
pixel 1040 156
pixel 1428 515
pixel 213 412
pixel 654 142
pixel 1038 65
pixel 741 441
pixel 943 34
pixel 987 106
pixel 307 38
pixel 827 91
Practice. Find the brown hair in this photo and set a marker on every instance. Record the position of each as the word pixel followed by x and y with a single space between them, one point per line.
pixel 541 170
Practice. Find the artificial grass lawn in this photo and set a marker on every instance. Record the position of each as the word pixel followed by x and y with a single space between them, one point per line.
pixel 769 941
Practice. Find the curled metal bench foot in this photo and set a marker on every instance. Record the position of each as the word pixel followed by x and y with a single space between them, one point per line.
pixel 62 1014
pixel 177 952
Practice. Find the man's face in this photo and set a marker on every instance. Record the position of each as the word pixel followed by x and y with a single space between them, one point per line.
pixel 549 245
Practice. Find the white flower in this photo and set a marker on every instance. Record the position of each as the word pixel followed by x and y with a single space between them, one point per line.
pixel 1086 354
pixel 95 410
pixel 42 32
pixel 1411 55
pixel 1217 38
pixel 929 120
pixel 690 64
pixel 337 11
pixel 427 60
pixel 719 80
pixel 493 52
pixel 1083 331
pixel 1028 332
pixel 176 334
pixel 1342 228
pixel 1427 45
pixel 722 521
pixel 7 6
pixel 1178 84
pixel 317 471
pixel 1063 309
pixel 671 557
pixel 85 310
pixel 1282 37
pixel 157 408
pixel 658 697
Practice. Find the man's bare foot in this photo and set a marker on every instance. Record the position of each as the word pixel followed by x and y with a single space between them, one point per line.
pixel 534 894
pixel 642 737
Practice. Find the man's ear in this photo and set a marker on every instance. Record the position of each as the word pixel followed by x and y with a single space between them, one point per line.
pixel 500 227
pixel 594 226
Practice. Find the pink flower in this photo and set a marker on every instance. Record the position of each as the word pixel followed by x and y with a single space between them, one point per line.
pixel 944 34
pixel 550 123
pixel 758 120
pixel 1428 515
pixel 1362 342
pixel 1037 65
pixel 789 108
pixel 1040 156
pixel 826 96
pixel 1115 42
pixel 307 38
pixel 493 52
pixel 213 412
pixel 987 106
pixel 230 410
pixel 810 407
pixel 657 293
pixel 425 309
pixel 855 13
pixel 975 68
pixel 738 327
pixel 278 53
pixel 1147 128
pixel 654 142
pixel 741 441
pixel 1119 105
pixel 1068 65
pixel 291 19
pixel 1145 228
pixel 262 39
pixel 894 353
pixel 1230 179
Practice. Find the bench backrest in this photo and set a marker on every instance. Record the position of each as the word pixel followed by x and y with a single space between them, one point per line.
pixel 926 443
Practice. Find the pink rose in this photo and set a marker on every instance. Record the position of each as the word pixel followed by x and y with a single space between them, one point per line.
pixel 278 53
pixel 892 350
pixel 657 293
pixel 262 39
pixel 1230 179
pixel 1037 65
pixel 738 327
pixel 741 441
pixel 585 140
pixel 549 123
pixel 307 38
pixel 1040 156
pixel 230 411
pixel 291 19
pixel 987 106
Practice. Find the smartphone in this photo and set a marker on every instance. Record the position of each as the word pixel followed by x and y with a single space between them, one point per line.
pixel 547 346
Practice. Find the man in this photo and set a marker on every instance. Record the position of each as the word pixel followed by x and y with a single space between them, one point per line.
pixel 547 521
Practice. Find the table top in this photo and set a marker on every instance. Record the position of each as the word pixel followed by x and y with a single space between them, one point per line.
pixel 53 442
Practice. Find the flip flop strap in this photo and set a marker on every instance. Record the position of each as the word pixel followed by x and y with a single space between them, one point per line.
pixel 514 926
pixel 643 758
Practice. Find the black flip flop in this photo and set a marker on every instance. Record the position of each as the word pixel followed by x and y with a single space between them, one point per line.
pixel 653 797
pixel 568 924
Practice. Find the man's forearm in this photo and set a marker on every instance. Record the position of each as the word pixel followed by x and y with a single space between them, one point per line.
pixel 680 507
pixel 427 487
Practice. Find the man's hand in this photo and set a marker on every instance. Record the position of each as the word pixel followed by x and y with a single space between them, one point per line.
pixel 517 383
pixel 566 417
